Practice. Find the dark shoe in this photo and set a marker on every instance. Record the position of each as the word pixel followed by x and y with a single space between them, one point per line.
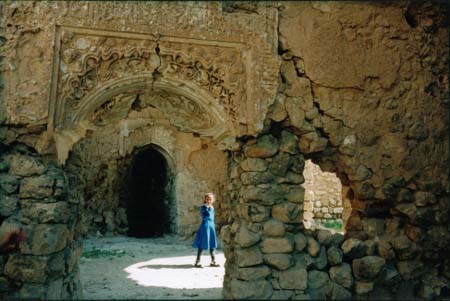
pixel 214 264
pixel 197 265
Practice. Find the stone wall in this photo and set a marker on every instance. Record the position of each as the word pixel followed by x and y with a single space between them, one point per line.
pixel 34 198
pixel 323 195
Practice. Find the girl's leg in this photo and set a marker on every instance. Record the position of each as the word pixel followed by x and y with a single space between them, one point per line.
pixel 213 258
pixel 197 261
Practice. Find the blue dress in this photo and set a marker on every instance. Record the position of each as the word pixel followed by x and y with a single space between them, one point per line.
pixel 205 238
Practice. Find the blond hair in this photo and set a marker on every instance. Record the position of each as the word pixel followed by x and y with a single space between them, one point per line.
pixel 211 195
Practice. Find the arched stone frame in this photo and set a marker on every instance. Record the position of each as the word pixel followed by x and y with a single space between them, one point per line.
pixel 221 132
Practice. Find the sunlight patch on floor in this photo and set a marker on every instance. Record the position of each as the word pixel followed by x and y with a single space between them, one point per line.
pixel 178 272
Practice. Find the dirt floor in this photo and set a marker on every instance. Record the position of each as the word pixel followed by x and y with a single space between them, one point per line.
pixel 123 267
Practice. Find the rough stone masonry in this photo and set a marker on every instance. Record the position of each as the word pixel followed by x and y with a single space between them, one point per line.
pixel 235 96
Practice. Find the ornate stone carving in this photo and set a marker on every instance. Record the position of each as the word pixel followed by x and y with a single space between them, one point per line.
pixel 230 61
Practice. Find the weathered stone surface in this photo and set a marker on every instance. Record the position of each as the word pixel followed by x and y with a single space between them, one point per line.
pixel 255 178
pixel 321 261
pixel 277 245
pixel 37 187
pixel 312 143
pixel 282 295
pixel 278 261
pixel 22 165
pixel 8 205
pixel 267 195
pixel 324 237
pixel 248 257
pixel 342 274
pixel 288 213
pixel 253 273
pixel 300 242
pixel 317 283
pixel 9 183
pixel 295 279
pixel 246 238
pixel 266 147
pixel 27 268
pixel 362 287
pixel 337 239
pixel 305 260
pixel 354 248
pixel 410 269
pixel 337 292
pixel 313 247
pixel 423 198
pixel 44 239
pixel 295 111
pixel 296 194
pixel 254 212
pixel 368 267
pixel 385 249
pixel 58 212
pixel 258 289
pixel 288 143
pixel 274 227
pixel 334 255
pixel 280 164
pixel 254 164
pixel 293 178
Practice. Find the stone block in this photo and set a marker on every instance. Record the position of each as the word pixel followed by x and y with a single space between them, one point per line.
pixel 278 261
pixel 277 245
pixel 248 257
pixel 22 165
pixel 255 178
pixel 246 238
pixel 373 227
pixel 266 195
pixel 362 287
pixel 367 267
pixel 252 273
pixel 313 247
pixel 33 291
pixel 274 227
pixel 281 295
pixel 337 292
pixel 295 278
pixel 280 164
pixel 253 212
pixel 410 269
pixel 288 143
pixel 9 183
pixel 45 239
pixel 312 143
pixel 296 194
pixel 317 284
pixel 8 205
pixel 58 212
pixel 258 289
pixel 335 255
pixel 37 187
pixel 27 268
pixel 320 262
pixel 300 242
pixel 293 178
pixel 254 164
pixel 342 274
pixel 324 237
pixel 304 260
pixel 265 147
pixel 423 198
pixel 288 212
pixel 354 248
pixel 295 112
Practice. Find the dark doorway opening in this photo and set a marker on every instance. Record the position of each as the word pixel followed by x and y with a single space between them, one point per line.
pixel 148 203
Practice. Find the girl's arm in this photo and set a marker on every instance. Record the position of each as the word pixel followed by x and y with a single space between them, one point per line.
pixel 205 211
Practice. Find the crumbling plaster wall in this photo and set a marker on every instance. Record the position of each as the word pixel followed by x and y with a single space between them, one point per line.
pixel 365 91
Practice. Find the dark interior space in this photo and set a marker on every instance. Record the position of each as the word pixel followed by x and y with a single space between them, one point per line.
pixel 147 207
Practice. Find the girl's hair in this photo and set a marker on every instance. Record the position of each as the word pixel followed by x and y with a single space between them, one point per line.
pixel 211 195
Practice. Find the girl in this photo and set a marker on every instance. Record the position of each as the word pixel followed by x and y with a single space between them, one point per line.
pixel 205 239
